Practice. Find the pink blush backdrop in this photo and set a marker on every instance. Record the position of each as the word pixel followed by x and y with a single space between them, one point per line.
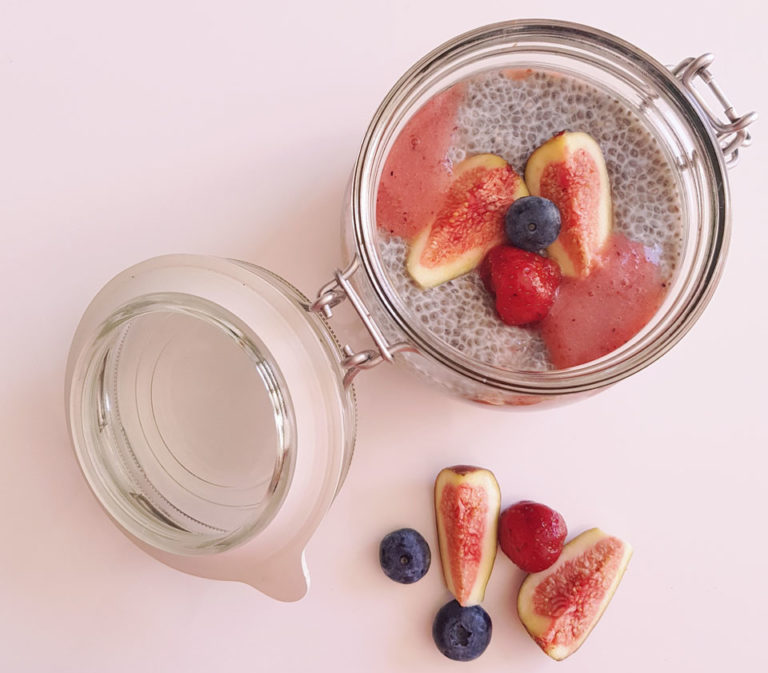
pixel 229 129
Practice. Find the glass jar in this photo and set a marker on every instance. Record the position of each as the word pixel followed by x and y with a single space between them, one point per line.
pixel 211 406
pixel 698 143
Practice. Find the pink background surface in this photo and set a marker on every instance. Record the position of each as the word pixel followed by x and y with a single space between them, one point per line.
pixel 229 129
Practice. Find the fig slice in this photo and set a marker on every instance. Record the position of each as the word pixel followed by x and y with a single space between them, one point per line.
pixel 468 223
pixel 569 170
pixel 467 504
pixel 560 606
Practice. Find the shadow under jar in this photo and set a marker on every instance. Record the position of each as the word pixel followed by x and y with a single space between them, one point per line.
pixel 210 405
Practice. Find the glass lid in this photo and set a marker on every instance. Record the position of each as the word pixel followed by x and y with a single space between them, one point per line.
pixel 190 382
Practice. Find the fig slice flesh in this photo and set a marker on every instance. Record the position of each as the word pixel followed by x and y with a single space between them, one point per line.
pixel 468 223
pixel 467 504
pixel 569 170
pixel 560 606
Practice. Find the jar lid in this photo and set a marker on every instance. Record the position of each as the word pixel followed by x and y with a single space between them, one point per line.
pixel 209 415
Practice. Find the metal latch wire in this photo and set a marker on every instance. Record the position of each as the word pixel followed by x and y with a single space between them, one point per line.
pixel 732 134
pixel 335 292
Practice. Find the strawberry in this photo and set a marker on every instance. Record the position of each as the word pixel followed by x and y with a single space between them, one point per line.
pixel 484 269
pixel 524 283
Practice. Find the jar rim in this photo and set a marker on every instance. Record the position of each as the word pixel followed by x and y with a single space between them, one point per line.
pixel 514 35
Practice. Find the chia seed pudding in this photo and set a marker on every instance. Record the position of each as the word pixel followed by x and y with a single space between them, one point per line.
pixel 510 114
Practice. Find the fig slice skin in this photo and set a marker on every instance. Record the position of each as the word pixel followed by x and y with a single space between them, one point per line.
pixel 468 223
pixel 561 605
pixel 569 170
pixel 467 505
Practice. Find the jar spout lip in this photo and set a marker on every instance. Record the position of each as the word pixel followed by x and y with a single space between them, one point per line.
pixel 283 576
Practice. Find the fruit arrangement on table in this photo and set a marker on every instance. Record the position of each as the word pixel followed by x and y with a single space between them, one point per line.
pixel 559 602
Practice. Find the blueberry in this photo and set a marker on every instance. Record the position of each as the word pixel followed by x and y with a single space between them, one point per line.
pixel 461 633
pixel 532 223
pixel 404 556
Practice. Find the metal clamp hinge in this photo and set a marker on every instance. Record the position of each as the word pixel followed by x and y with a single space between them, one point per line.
pixel 732 134
pixel 335 292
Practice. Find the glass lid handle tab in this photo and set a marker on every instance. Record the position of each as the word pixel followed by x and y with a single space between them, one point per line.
pixel 732 132
pixel 332 294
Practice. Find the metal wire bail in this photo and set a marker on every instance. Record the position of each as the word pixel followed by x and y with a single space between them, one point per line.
pixel 332 294
pixel 731 133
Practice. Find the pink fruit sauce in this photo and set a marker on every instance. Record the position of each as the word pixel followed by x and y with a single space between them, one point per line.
pixel 594 316
pixel 416 174
pixel 510 114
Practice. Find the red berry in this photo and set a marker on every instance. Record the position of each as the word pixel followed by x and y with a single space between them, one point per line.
pixel 485 273
pixel 532 535
pixel 524 283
